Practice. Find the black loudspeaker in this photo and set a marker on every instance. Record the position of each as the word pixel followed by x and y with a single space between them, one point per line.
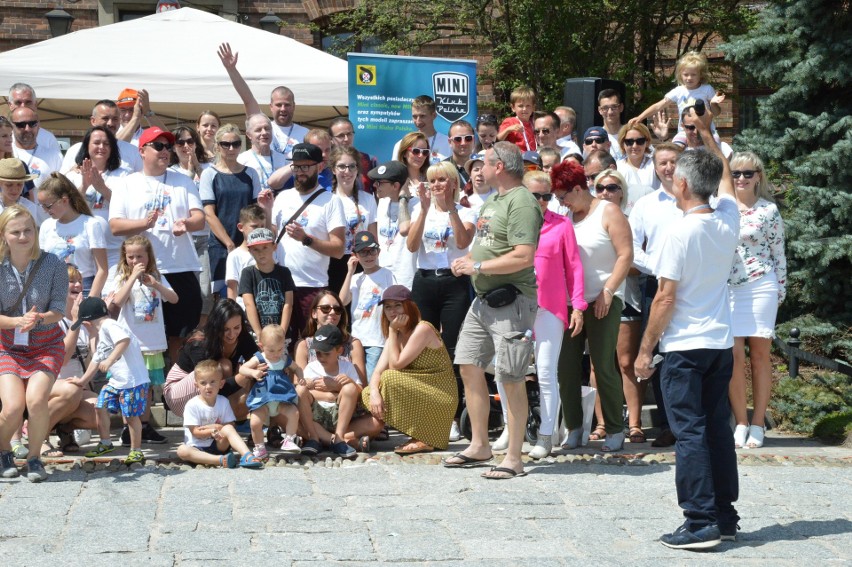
pixel 581 94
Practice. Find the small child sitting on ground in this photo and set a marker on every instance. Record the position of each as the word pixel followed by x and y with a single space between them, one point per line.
pixel 208 420
pixel 118 352
pixel 273 394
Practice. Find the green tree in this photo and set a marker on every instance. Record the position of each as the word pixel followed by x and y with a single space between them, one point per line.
pixel 801 48
pixel 543 43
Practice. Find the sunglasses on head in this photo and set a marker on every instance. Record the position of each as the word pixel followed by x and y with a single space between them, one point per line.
pixel 594 140
pixel 611 188
pixel 486 119
pixel 185 142
pixel 460 139
pixel 546 197
pixel 160 146
pixel 326 309
pixel 24 124
pixel 747 173
pixel 639 141
pixel 235 145
pixel 420 152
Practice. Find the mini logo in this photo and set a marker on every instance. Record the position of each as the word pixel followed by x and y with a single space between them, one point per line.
pixel 320 338
pixel 382 170
pixel 452 95
pixel 366 75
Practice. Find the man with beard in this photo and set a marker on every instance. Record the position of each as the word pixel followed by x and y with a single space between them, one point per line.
pixel 22 94
pixel 282 104
pixel 105 113
pixel 315 235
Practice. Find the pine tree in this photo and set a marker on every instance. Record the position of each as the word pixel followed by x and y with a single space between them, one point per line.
pixel 803 49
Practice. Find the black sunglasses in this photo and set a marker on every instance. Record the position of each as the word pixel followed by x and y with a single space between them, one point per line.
pixel 590 141
pixel 544 131
pixel 160 146
pixel 747 173
pixel 24 124
pixel 235 145
pixel 689 127
pixel 612 188
pixel 630 141
pixel 326 309
pixel 546 197
pixel 185 142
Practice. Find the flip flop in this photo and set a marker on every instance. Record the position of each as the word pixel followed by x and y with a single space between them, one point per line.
pixel 413 447
pixel 505 473
pixel 466 462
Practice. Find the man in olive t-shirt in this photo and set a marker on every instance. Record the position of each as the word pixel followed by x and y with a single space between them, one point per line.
pixel 501 262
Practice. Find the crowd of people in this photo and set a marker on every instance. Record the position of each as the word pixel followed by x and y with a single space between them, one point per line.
pixel 298 296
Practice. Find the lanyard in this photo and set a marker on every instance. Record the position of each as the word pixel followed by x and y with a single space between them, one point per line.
pixel 524 133
pixel 698 208
pixel 264 174
pixel 21 279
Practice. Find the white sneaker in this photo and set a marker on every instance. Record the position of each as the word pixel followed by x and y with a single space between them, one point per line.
pixel 502 442
pixel 542 447
pixel 289 446
pixel 455 434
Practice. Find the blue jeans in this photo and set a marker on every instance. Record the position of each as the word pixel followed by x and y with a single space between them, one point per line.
pixel 372 354
pixel 695 387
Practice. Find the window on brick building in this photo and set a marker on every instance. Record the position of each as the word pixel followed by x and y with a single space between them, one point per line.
pixel 750 93
pixel 339 43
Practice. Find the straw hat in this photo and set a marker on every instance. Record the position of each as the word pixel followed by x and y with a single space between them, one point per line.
pixel 12 169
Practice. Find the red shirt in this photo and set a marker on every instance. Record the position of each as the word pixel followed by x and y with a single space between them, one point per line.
pixel 524 140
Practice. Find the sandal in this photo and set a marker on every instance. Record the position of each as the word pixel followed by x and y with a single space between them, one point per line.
pixel 755 437
pixel 740 436
pixel 598 434
pixel 636 435
pixel 384 435
pixel 413 447
pixel 51 452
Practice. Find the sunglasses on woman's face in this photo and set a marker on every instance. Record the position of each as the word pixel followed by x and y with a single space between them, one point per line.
pixel 546 197
pixel 326 309
pixel 630 141
pixel 611 188
pixel 185 142
pixel 747 173
pixel 235 145
pixel 420 152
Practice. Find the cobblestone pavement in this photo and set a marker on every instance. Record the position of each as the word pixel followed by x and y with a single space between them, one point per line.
pixel 796 507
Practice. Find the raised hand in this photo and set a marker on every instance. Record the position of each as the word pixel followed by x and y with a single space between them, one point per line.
pixel 228 57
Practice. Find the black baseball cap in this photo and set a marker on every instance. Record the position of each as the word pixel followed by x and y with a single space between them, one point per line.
pixel 327 338
pixel 90 309
pixel 394 171
pixel 364 240
pixel 307 152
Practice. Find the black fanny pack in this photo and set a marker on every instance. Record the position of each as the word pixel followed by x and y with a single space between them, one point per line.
pixel 501 296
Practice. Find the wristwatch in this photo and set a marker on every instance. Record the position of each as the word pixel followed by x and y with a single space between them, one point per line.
pixel 477 268
pixel 307 240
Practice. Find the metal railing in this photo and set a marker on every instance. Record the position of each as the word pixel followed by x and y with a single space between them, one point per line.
pixel 795 354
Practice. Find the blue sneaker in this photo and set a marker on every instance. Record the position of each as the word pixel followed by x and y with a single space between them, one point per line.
pixel 341 449
pixel 35 470
pixel 707 537
pixel 7 465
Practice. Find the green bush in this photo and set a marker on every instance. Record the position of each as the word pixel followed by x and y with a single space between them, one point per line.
pixel 835 427
pixel 798 404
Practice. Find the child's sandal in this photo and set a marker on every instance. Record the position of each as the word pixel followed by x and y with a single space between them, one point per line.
pixel 229 461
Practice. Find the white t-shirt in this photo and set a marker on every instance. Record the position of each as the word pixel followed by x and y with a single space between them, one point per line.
pixel 684 97
pixel 142 313
pixel 359 220
pixel 285 137
pixel 73 242
pixel 264 166
pixel 47 139
pixel 568 146
pixel 394 254
pixel 698 253
pixel 128 371
pixel 174 196
pixel 643 175
pixel 40 161
pixel 315 370
pixel 131 159
pixel 439 143
pixel 366 291
pixel 438 245
pixel 476 200
pixel 197 412
pixel 100 207
pixel 37 212
pixel 324 214
pixel 650 220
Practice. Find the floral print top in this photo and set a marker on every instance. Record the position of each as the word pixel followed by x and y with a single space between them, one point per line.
pixel 761 247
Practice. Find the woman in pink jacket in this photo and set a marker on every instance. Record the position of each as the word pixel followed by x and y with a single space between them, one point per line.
pixel 559 275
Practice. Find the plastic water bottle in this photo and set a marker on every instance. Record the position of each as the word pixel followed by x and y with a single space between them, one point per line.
pixel 528 335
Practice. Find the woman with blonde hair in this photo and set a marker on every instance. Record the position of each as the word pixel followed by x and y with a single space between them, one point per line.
pixel 32 300
pixel 225 188
pixel 756 288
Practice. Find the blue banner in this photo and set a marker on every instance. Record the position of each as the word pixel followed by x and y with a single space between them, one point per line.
pixel 381 88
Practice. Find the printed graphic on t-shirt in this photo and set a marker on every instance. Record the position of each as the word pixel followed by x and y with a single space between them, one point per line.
pixel 368 300
pixel 269 300
pixel 63 250
pixel 145 305
pixel 435 238
pixel 483 228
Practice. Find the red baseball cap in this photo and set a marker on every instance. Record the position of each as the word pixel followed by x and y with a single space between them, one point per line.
pixel 152 133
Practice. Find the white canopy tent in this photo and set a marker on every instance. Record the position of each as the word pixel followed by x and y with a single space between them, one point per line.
pixel 173 56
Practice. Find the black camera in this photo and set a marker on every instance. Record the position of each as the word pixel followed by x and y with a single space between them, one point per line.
pixel 699 107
